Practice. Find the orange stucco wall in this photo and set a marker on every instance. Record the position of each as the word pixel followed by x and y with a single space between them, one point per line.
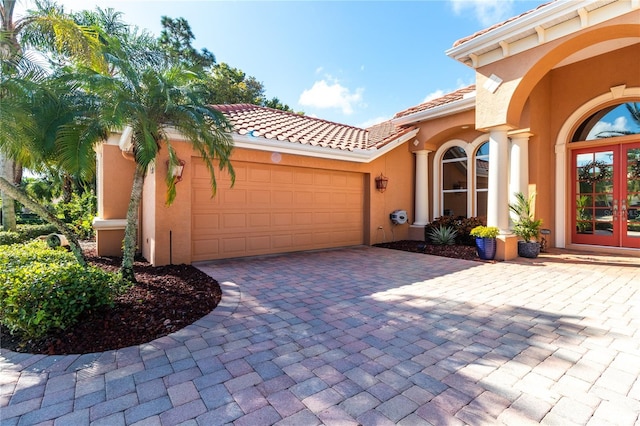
pixel 114 180
pixel 166 230
pixel 114 177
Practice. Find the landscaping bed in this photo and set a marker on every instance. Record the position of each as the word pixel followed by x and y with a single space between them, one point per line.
pixel 165 299
pixel 456 251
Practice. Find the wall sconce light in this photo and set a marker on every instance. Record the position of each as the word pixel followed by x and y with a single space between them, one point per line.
pixel 381 182
pixel 176 171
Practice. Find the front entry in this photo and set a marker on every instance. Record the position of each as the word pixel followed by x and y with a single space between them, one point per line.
pixel 606 195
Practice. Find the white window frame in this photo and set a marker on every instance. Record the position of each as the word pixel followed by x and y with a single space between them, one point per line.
pixel 470 148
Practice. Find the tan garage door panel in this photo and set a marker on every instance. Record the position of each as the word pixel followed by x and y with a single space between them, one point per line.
pixel 275 209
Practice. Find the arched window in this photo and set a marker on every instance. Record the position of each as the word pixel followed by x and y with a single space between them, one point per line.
pixel 616 120
pixel 482 179
pixel 454 182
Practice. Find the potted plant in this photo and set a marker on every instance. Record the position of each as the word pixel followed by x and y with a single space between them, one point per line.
pixel 525 226
pixel 485 241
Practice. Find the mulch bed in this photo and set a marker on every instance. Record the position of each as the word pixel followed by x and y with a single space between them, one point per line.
pixel 165 299
pixel 454 251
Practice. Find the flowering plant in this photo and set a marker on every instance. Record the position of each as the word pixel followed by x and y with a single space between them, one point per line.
pixel 485 231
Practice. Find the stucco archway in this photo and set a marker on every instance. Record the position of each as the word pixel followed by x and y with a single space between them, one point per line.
pixel 615 95
pixel 572 49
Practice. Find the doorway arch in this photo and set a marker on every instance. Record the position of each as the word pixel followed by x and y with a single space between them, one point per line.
pixel 617 94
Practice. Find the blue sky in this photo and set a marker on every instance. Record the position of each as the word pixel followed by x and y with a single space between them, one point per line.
pixel 355 62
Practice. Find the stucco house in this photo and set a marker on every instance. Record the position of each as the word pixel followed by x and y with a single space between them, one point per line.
pixel 547 83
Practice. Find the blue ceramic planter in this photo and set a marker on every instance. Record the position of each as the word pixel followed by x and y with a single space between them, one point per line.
pixel 486 248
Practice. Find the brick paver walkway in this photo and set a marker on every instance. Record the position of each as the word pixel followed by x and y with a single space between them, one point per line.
pixel 367 336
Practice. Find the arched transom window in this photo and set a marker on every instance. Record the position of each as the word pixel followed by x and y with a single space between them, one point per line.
pixel 616 120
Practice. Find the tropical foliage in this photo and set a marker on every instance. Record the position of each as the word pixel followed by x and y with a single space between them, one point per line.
pixel 94 74
pixel 525 226
pixel 443 235
pixel 42 290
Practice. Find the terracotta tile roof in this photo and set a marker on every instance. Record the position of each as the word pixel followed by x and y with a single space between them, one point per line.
pixel 284 126
pixel 498 25
pixel 443 100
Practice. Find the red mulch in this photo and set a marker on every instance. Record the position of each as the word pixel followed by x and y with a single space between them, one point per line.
pixel 165 299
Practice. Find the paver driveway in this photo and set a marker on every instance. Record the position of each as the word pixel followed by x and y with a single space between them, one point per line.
pixel 367 336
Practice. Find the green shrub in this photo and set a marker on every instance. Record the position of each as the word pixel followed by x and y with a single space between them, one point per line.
pixel 79 213
pixel 44 290
pixel 21 255
pixel 29 219
pixel 462 226
pixel 443 235
pixel 10 237
pixel 30 232
pixel 25 233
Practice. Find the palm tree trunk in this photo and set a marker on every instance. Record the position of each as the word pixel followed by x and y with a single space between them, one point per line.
pixel 8 203
pixel 131 230
pixel 16 193
pixel 67 188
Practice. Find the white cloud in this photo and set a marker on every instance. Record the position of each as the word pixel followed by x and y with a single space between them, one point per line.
pixel 434 95
pixel 619 125
pixel 372 122
pixel 441 92
pixel 487 12
pixel 331 95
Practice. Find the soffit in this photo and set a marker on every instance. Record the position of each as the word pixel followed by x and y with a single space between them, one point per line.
pixel 547 22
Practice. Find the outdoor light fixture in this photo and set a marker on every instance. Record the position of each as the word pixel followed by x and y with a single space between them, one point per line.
pixel 381 182
pixel 176 171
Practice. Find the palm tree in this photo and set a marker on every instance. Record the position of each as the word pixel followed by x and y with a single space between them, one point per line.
pixel 151 101
pixel 55 123
pixel 48 28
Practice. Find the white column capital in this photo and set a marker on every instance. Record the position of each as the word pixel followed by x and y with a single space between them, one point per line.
pixel 501 128
pixel 520 134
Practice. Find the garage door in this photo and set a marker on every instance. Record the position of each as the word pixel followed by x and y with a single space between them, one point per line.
pixel 275 209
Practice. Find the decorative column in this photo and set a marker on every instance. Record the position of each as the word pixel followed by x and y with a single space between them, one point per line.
pixel 519 173
pixel 422 191
pixel 498 197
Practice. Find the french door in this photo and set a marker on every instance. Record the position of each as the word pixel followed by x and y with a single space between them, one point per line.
pixel 606 195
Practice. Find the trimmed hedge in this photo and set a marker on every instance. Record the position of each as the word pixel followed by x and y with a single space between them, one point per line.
pixel 25 233
pixel 44 290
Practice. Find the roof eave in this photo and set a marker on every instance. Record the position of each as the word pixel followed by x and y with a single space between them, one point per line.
pixel 283 147
pixel 465 104
pixel 492 39
pixel 389 146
